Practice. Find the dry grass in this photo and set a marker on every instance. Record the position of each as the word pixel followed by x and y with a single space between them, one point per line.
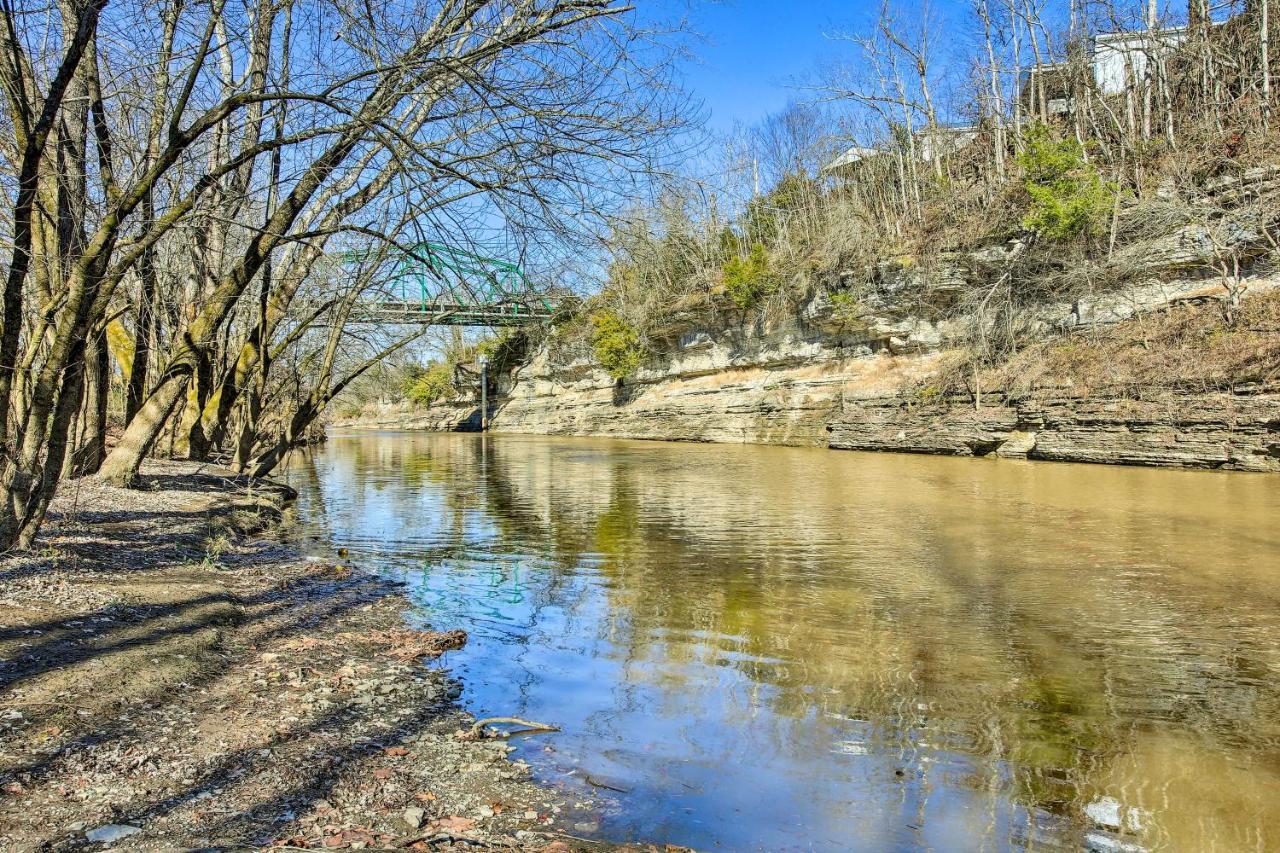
pixel 1189 347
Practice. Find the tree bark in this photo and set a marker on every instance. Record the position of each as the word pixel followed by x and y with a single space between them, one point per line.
pixel 144 331
pixel 121 465
pixel 56 452
pixel 92 446
pixel 33 159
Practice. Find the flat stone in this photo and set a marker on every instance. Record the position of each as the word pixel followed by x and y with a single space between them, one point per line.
pixel 1172 429
pixel 111 833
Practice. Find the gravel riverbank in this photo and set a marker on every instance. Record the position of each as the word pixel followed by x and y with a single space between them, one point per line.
pixel 172 679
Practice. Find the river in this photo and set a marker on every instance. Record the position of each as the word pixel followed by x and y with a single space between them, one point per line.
pixel 790 649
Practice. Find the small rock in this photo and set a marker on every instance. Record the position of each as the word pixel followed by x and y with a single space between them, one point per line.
pixel 110 833
pixel 413 816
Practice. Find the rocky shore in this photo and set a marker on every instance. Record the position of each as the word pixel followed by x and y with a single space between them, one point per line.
pixel 174 677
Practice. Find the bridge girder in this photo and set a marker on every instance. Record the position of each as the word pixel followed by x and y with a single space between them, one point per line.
pixel 446 314
pixel 445 286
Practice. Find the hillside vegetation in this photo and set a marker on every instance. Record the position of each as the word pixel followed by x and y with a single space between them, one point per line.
pixel 1042 181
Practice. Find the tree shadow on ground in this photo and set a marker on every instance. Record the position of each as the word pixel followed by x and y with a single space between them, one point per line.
pixel 260 619
pixel 159 644
pixel 320 746
pixel 96 542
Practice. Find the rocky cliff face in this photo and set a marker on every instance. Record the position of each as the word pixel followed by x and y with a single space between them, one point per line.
pixel 736 383
pixel 1212 430
pixel 816 381
pixel 819 380
pixel 448 416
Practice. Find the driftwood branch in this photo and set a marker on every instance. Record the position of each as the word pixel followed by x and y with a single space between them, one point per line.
pixel 526 726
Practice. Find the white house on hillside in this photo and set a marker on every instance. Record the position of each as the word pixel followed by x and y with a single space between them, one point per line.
pixel 946 139
pixel 1121 57
pixel 848 158
pixel 1118 61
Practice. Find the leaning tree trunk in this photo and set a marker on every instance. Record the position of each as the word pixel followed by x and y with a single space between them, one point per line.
pixel 247 439
pixel 31 474
pixel 121 465
pixel 287 439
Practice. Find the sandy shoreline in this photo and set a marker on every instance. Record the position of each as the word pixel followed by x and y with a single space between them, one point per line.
pixel 172 679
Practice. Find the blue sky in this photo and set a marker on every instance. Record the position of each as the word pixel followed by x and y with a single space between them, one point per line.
pixel 752 50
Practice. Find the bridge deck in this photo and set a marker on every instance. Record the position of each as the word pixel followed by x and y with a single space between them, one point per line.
pixel 448 314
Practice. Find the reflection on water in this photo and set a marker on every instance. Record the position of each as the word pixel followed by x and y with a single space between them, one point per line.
pixel 775 648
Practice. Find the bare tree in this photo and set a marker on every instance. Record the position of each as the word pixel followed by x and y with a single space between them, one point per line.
pixel 232 149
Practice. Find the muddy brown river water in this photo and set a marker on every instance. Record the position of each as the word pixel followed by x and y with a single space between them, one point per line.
pixel 784 649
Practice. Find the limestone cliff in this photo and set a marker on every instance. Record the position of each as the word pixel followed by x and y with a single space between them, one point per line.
pixel 461 415
pixel 1192 430
pixel 739 383
pixel 815 379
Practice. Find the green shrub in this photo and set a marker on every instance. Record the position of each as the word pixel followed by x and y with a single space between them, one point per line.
pixel 503 349
pixel 1069 199
pixel 424 387
pixel 615 343
pixel 766 214
pixel 727 243
pixel 929 393
pixel 845 306
pixel 748 279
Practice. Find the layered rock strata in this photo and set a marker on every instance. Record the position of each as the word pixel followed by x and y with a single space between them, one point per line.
pixel 1211 430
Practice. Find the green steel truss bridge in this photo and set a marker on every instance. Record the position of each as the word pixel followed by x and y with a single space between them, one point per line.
pixel 437 285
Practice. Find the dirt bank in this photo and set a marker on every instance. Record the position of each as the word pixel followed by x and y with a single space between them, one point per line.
pixel 172 679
